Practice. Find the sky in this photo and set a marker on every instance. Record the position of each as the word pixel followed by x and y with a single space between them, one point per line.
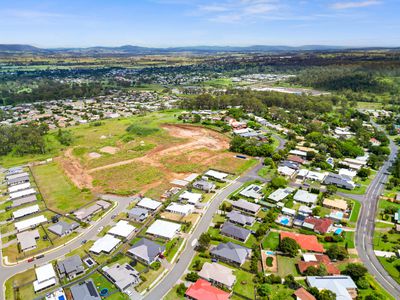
pixel 169 23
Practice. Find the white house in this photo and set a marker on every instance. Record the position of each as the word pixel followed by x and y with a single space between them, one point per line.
pixel 180 209
pixel 164 229
pixel 45 277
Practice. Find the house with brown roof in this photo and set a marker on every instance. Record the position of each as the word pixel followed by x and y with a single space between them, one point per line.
pixel 318 225
pixel 316 261
pixel 302 294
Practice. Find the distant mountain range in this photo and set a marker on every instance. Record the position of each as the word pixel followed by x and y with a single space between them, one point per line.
pixel 136 50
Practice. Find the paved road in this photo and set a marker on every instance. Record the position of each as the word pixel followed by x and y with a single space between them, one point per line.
pixel 90 233
pixel 366 227
pixel 186 257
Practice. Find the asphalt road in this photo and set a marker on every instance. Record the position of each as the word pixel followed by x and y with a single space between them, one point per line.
pixel 90 233
pixel 366 227
pixel 159 291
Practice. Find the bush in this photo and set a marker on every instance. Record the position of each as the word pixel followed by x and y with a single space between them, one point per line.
pixel 289 246
pixel 362 283
pixel 181 289
pixel 140 130
pixel 269 261
pixel 192 276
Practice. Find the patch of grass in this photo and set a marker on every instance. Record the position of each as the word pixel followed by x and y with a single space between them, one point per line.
pixel 101 282
pixel 287 266
pixel 391 268
pixel 355 211
pixel 173 295
pixel 271 241
pixel 58 192
pixel 244 284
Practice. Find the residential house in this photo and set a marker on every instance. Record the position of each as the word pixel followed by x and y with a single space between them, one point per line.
pixel 302 294
pixel 62 228
pixel 204 185
pixel 341 181
pixel 122 276
pixel 218 275
pixel 85 290
pixel 45 278
pixel 252 191
pixel 318 225
pixel 70 267
pixel 180 209
pixel 27 239
pixel 138 214
pixel 146 251
pixel 316 261
pixel 238 218
pixel 231 253
pixel 203 290
pixel 305 197
pixel 337 204
pixel 105 244
pixel 149 204
pixel 286 171
pixel 305 241
pixel 343 286
pixel 245 206
pixel 238 233
pixel 191 198
pixel 220 176
pixel 296 159
pixel 122 229
pixel 164 229
pixel 280 194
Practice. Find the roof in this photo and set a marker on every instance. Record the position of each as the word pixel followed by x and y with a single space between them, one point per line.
pixel 320 259
pixel 305 241
pixel 105 244
pixel 146 249
pixel 191 197
pixel 237 217
pixel 284 170
pixel 246 205
pixel 208 185
pixel 24 200
pixel 19 187
pixel 203 290
pixel 288 211
pixel 218 273
pixel 321 225
pixel 337 203
pixel 164 229
pixel 61 227
pixel 280 194
pixel 45 272
pixel 27 239
pixel 122 228
pixel 337 284
pixel 231 251
pixel 28 223
pixel 149 203
pixel 138 211
pixel 180 208
pixel 16 176
pixel 216 174
pixel 305 197
pixel 235 231
pixel 70 265
pixel 298 153
pixel 252 191
pixel 25 211
pixel 86 212
pixel 123 276
pixel 22 193
pixel 295 158
pixel 85 291
pixel 302 294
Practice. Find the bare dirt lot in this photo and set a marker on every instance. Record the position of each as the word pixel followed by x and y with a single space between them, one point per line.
pixel 197 150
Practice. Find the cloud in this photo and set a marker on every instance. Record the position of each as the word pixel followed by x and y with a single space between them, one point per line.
pixel 355 4
pixel 32 14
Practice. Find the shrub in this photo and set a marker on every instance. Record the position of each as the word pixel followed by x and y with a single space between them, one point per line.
pixel 269 261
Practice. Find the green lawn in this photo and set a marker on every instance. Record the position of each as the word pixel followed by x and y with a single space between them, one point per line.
pixel 271 241
pixel 172 294
pixel 355 211
pixel 101 282
pixel 57 190
pixel 244 284
pixel 287 266
pixel 391 268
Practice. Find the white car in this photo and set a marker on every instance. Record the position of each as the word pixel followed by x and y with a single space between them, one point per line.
pixel 100 228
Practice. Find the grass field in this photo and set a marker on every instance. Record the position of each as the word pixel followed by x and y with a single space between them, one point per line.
pixel 271 242
pixel 287 266
pixel 17 280
pixel 355 211
pixel 57 190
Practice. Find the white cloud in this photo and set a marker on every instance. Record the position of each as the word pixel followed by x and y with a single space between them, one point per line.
pixel 355 4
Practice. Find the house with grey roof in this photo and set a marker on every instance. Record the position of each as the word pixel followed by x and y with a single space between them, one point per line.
pixel 138 214
pixel 62 228
pixel 204 185
pixel 236 232
pixel 339 181
pixel 246 206
pixel 85 290
pixel 237 218
pixel 343 286
pixel 24 200
pixel 122 276
pixel 146 251
pixel 253 191
pixel 15 179
pixel 70 267
pixel 27 239
pixel 231 253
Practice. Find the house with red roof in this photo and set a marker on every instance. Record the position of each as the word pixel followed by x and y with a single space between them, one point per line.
pixel 318 225
pixel 306 242
pixel 296 159
pixel 316 261
pixel 302 294
pixel 203 290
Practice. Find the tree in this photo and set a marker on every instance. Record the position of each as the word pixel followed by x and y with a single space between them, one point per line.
pixel 278 182
pixel 326 295
pixel 355 271
pixel 196 118
pixel 192 276
pixel 289 246
pixel 364 173
pixel 331 189
pixel 203 242
pixel 374 296
pixel 316 211
pixel 181 290
pixel 263 290
pixel 336 252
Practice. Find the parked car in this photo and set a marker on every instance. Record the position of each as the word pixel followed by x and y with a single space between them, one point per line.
pixel 100 228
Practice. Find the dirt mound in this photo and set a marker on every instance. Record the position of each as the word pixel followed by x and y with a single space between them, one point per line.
pixel 109 150
pixel 74 170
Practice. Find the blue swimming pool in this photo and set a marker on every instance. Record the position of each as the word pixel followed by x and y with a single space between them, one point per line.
pixel 284 221
pixel 61 297
pixel 269 252
pixel 338 231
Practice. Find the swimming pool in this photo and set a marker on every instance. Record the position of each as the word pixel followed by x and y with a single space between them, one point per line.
pixel 338 231
pixel 284 221
pixel 269 252
pixel 61 297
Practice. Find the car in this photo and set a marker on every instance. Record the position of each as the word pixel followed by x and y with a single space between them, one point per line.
pixel 214 260
pixel 31 259
pixel 100 228
pixel 83 242
pixel 113 216
pixel 39 256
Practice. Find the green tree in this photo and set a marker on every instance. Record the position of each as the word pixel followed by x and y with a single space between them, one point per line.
pixel 263 290
pixel 192 276
pixel 355 271
pixel 337 252
pixel 289 246
pixel 326 295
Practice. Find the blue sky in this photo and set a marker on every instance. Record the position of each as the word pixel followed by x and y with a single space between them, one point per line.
pixel 163 23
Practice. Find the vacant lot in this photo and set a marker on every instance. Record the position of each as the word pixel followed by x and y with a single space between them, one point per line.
pixel 57 190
